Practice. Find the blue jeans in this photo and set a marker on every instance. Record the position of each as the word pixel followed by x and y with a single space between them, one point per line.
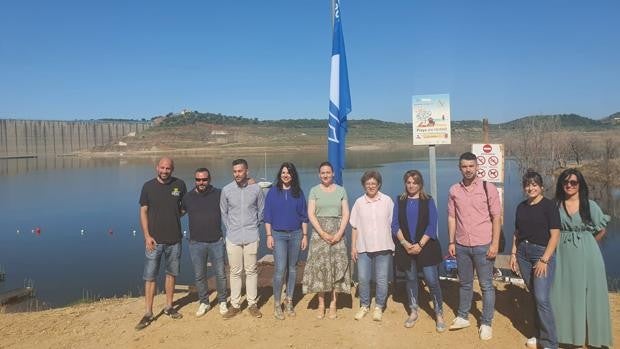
pixel 431 275
pixel 199 253
pixel 285 255
pixel 527 256
pixel 172 258
pixel 468 259
pixel 381 260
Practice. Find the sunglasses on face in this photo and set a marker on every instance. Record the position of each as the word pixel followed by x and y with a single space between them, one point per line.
pixel 201 179
pixel 572 183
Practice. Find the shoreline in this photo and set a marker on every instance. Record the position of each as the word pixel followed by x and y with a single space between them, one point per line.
pixel 110 323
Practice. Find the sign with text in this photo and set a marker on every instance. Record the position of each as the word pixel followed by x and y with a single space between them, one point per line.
pixel 431 119
pixel 490 161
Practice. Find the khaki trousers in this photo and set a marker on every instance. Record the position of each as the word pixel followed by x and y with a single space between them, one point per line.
pixel 243 258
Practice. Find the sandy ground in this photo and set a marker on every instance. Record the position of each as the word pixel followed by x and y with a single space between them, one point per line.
pixel 110 323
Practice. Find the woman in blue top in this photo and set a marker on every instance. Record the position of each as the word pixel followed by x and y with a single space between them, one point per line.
pixel 286 225
pixel 414 225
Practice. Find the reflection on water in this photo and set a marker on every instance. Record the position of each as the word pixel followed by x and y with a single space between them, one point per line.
pixel 68 223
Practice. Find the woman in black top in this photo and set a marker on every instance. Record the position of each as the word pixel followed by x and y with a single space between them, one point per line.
pixel 536 235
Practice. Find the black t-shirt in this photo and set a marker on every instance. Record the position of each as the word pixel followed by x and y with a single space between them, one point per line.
pixel 164 209
pixel 534 221
pixel 205 218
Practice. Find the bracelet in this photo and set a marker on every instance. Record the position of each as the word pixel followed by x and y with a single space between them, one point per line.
pixel 268 235
pixel 543 261
pixel 304 234
pixel 403 242
pixel 452 243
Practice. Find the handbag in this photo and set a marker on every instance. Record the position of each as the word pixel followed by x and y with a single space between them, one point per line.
pixel 502 237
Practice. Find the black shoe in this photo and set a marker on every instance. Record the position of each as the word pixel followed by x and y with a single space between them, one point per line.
pixel 144 322
pixel 173 313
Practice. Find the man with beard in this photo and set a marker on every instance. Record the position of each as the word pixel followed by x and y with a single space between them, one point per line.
pixel 242 205
pixel 473 230
pixel 202 205
pixel 160 213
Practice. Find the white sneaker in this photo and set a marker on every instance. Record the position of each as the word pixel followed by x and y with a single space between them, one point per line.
pixel 202 309
pixel 377 314
pixel 458 323
pixel 223 308
pixel 361 313
pixel 486 332
pixel 531 342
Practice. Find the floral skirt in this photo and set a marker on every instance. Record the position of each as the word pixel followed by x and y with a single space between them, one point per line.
pixel 327 266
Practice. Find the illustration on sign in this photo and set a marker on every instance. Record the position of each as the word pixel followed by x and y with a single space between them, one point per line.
pixel 431 119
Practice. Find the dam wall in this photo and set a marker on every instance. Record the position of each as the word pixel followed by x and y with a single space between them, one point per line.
pixel 19 138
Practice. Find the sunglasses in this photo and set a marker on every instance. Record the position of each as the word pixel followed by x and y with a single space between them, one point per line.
pixel 572 183
pixel 201 179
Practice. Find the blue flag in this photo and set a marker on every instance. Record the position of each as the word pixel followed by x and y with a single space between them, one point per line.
pixel 339 100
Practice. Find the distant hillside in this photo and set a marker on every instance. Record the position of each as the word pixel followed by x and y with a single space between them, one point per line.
pixel 567 121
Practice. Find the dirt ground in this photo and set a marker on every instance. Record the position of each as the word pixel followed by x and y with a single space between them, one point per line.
pixel 110 323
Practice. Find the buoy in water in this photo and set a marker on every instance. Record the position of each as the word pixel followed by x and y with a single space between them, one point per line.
pixel 82 231
pixel 17 231
pixel 110 232
pixel 37 230
pixel 133 232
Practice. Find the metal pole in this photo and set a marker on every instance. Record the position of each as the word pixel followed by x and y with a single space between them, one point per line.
pixel 433 171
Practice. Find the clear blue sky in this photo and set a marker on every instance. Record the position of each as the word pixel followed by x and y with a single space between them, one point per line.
pixel 270 59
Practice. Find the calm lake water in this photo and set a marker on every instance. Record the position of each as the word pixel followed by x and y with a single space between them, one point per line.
pixel 86 211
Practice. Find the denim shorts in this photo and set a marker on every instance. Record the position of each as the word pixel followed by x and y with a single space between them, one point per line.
pixel 172 258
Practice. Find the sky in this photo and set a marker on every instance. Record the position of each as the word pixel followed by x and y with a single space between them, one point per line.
pixel 66 60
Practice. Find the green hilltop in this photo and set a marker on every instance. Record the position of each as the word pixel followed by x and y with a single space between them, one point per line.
pixel 564 121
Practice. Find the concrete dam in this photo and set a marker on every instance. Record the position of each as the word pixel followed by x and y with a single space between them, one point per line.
pixel 23 138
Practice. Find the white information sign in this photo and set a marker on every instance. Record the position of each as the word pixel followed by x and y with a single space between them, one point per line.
pixel 431 119
pixel 490 161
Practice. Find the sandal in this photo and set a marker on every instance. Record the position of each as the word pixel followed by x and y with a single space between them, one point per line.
pixel 144 322
pixel 412 319
pixel 173 313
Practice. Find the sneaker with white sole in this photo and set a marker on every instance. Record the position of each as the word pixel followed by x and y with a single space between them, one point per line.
pixel 202 309
pixel 459 323
pixel 223 308
pixel 361 313
pixel 531 342
pixel 486 332
pixel 377 314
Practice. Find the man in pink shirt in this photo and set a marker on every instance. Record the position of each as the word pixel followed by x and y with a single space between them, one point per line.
pixel 473 229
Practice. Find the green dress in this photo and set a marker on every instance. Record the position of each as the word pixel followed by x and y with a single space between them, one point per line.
pixel 579 295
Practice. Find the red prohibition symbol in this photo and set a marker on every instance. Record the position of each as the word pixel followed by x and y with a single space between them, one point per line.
pixel 493 173
pixel 493 160
pixel 481 160
pixel 481 173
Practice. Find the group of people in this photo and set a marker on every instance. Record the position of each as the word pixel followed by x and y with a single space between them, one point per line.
pixel 554 247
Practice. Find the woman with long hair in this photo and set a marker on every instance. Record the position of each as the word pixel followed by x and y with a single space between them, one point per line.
pixel 414 224
pixel 327 266
pixel 537 231
pixel 579 295
pixel 286 226
pixel 371 242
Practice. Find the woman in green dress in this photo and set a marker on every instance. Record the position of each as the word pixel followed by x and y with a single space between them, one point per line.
pixel 579 295
pixel 327 266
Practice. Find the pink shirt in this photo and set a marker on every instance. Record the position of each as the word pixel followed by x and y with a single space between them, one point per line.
pixel 373 220
pixel 469 206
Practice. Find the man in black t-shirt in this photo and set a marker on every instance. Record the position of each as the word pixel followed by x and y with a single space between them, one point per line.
pixel 202 205
pixel 160 213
